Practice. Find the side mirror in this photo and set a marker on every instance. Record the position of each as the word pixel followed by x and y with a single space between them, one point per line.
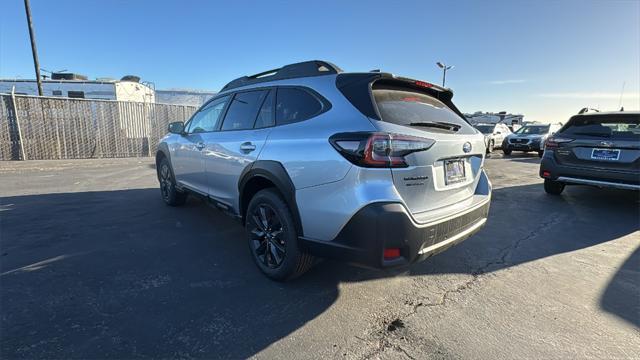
pixel 498 133
pixel 176 127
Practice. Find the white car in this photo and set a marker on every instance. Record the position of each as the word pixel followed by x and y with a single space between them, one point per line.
pixel 494 134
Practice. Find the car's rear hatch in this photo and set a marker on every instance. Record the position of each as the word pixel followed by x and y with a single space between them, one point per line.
pixel 445 174
pixel 601 141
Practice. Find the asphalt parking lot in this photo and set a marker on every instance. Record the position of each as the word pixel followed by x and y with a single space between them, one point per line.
pixel 94 265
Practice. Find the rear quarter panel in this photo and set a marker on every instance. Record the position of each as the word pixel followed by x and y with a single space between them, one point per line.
pixel 303 148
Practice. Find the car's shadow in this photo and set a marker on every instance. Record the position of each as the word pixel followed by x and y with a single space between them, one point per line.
pixel 118 274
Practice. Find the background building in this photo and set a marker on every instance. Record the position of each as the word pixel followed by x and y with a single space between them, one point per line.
pixel 129 88
pixel 494 118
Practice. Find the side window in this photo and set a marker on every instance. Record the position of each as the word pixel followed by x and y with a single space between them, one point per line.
pixel 265 115
pixel 293 105
pixel 208 117
pixel 243 110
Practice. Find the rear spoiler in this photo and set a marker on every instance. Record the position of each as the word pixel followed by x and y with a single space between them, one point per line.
pixel 356 87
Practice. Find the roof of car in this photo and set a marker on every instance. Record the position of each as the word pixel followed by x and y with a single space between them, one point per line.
pixel 315 68
pixel 298 70
pixel 610 113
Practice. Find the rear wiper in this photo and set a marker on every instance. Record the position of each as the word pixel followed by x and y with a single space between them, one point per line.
pixel 438 125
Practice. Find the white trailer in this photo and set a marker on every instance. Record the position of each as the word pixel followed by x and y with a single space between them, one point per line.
pixel 83 89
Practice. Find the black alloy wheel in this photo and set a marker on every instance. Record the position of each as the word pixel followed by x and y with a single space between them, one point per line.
pixel 273 237
pixel 165 181
pixel 267 236
pixel 170 194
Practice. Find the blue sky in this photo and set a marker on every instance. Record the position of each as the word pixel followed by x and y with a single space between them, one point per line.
pixel 545 59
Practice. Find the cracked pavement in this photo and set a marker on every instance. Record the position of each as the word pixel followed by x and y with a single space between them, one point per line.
pixel 93 265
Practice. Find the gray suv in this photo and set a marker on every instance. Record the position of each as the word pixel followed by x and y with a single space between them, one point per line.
pixel 598 149
pixel 369 168
pixel 530 137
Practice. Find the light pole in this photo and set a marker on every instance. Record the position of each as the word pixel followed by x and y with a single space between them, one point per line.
pixel 444 68
pixel 34 52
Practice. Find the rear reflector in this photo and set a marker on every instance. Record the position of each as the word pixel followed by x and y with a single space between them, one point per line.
pixel 391 253
pixel 546 174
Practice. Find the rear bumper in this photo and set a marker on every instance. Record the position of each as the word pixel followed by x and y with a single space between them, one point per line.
pixel 588 175
pixel 532 146
pixel 380 226
pixel 599 183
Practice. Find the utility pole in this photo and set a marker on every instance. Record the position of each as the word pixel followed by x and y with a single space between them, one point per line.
pixel 34 51
pixel 444 68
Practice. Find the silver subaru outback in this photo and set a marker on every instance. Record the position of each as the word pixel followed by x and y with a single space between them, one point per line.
pixel 369 168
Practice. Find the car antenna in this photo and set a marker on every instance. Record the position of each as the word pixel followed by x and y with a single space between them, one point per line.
pixel 621 94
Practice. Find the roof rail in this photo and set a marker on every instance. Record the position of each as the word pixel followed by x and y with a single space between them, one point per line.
pixel 586 110
pixel 302 69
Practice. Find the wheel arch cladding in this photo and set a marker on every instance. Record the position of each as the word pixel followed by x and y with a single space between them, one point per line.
pixel 264 174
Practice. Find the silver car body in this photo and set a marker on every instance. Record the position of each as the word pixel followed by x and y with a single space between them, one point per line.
pixel 329 189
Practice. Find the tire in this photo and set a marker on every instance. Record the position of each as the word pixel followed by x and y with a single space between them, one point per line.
pixel 273 239
pixel 490 147
pixel 540 153
pixel 553 187
pixel 506 151
pixel 168 190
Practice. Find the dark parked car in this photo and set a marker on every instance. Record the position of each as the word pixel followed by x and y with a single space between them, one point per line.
pixel 530 137
pixel 600 149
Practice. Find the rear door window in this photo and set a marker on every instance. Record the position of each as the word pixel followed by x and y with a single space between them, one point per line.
pixel 294 104
pixel 409 108
pixel 615 127
pixel 243 110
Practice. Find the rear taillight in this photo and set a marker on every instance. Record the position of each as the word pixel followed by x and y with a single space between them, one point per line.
pixel 378 149
pixel 553 142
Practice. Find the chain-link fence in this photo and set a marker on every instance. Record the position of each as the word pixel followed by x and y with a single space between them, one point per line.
pixel 45 128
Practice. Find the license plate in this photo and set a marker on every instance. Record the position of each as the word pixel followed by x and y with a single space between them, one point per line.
pixel 454 171
pixel 605 154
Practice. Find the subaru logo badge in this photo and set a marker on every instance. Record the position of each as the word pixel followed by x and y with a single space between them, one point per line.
pixel 606 143
pixel 466 147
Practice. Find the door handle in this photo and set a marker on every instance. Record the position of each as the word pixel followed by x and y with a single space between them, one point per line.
pixel 200 145
pixel 247 146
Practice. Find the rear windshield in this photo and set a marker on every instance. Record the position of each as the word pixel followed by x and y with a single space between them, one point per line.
pixel 485 129
pixel 618 127
pixel 410 108
pixel 533 130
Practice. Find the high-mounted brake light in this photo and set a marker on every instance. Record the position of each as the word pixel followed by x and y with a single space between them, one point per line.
pixel 378 149
pixel 423 84
pixel 554 142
